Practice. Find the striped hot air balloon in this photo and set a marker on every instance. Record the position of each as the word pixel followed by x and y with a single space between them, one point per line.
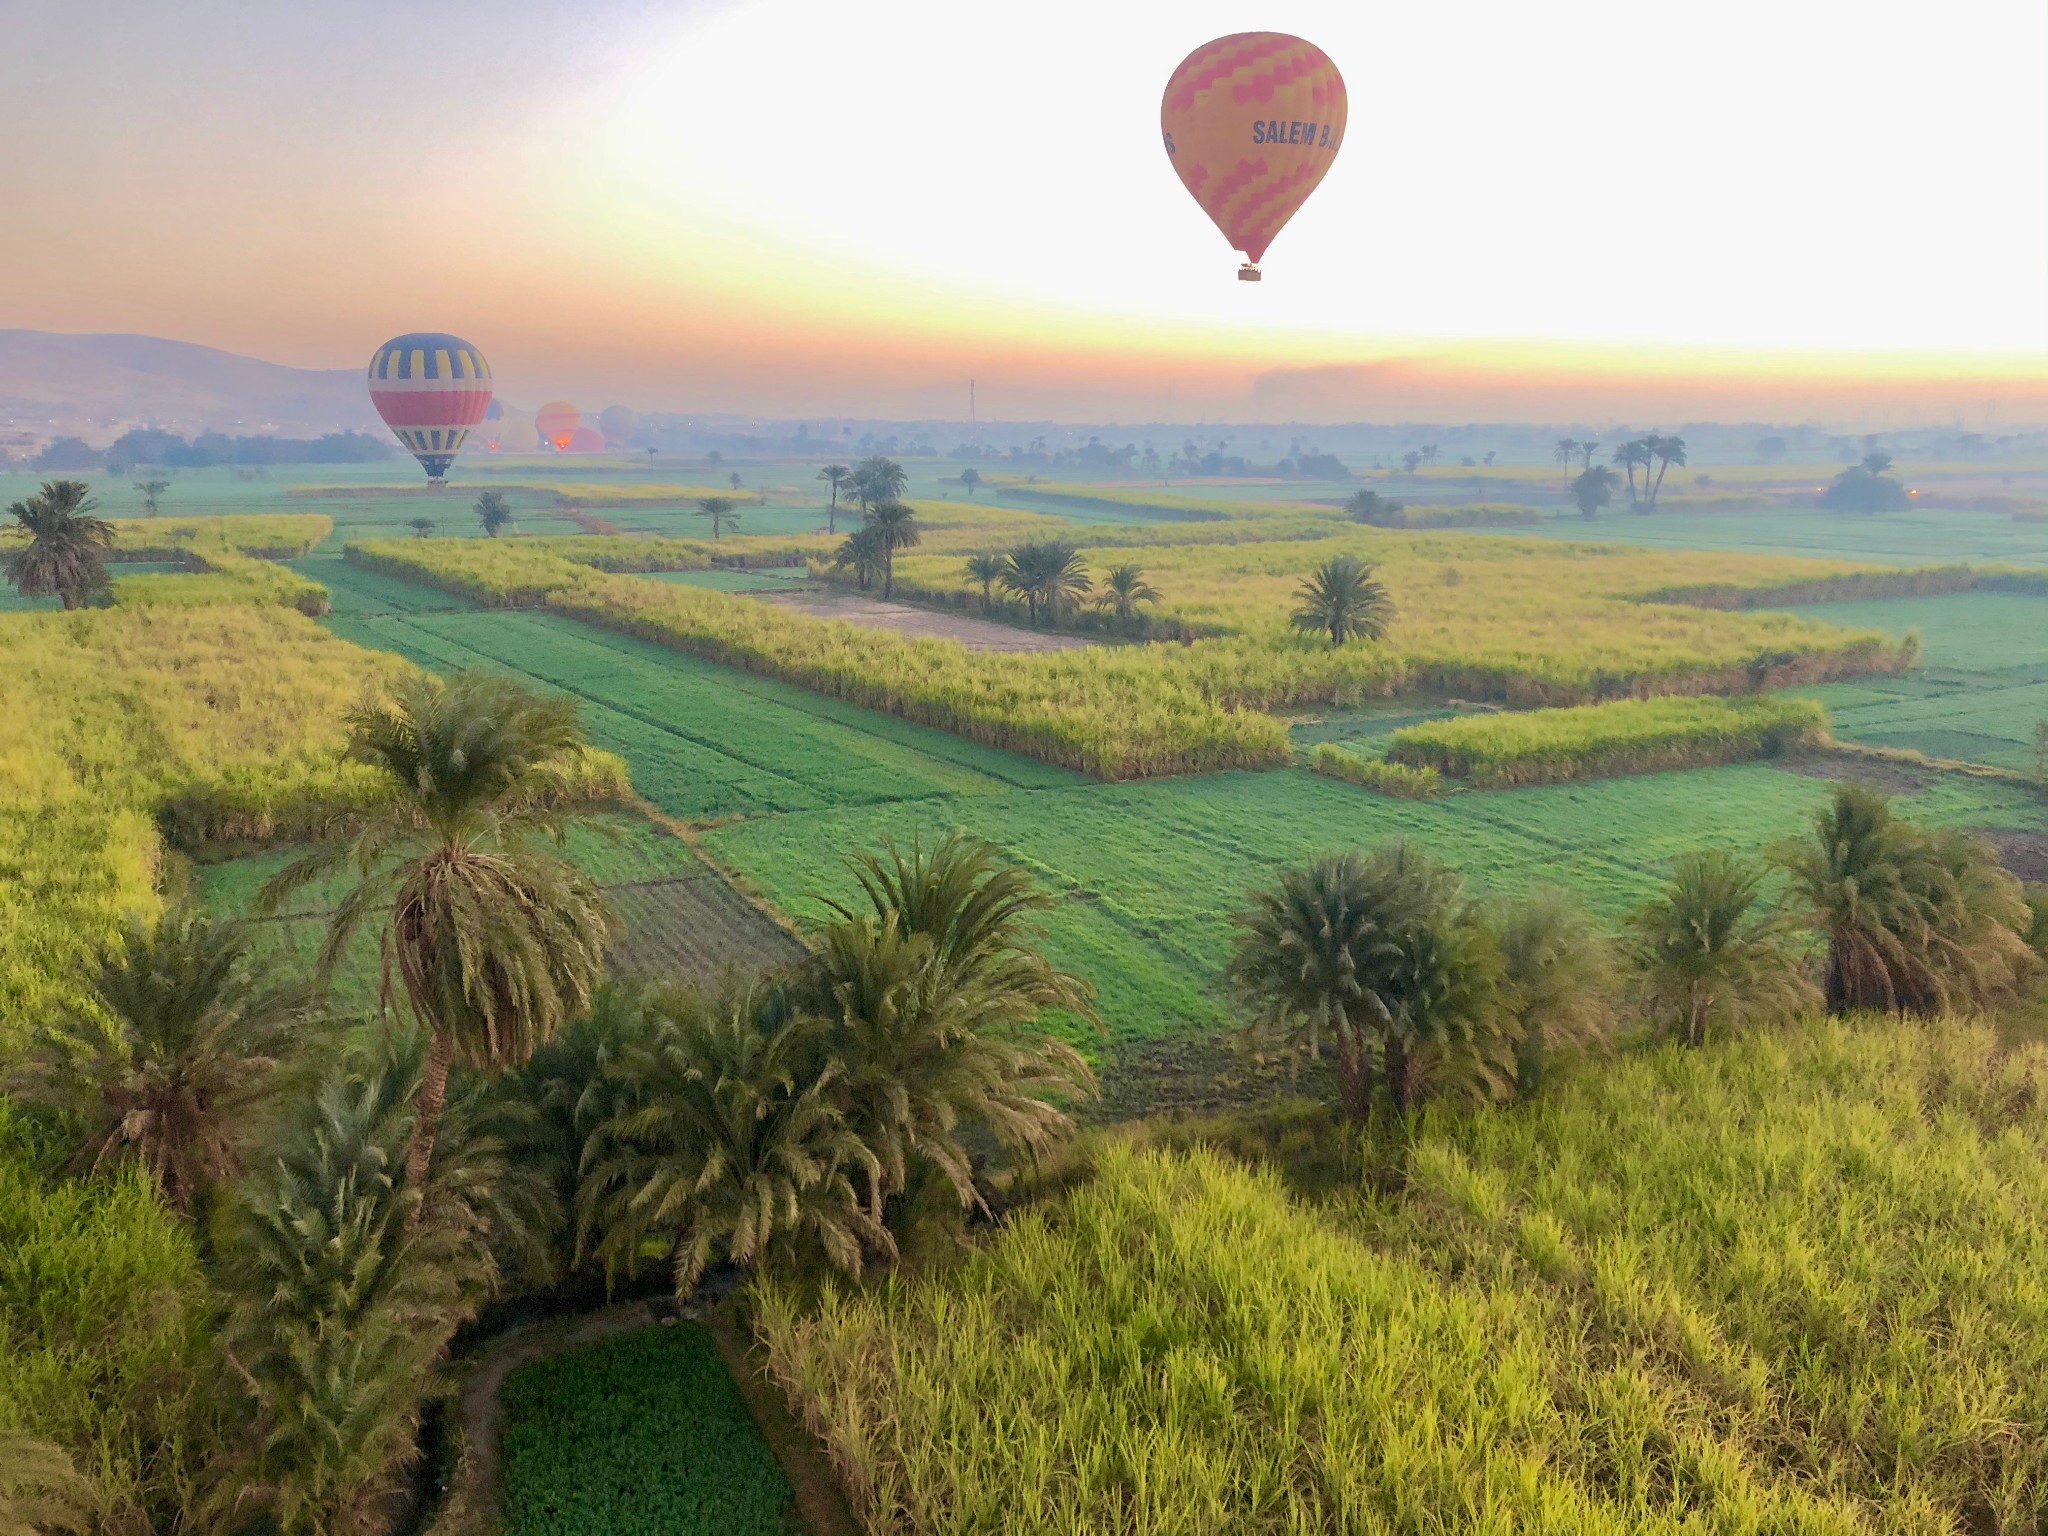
pixel 1252 121
pixel 430 388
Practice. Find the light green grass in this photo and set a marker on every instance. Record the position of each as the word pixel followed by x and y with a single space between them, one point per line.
pixel 1918 537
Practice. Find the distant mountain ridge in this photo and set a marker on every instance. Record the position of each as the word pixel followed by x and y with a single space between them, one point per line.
pixel 95 385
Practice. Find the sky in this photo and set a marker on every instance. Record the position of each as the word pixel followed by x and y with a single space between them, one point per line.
pixel 1782 209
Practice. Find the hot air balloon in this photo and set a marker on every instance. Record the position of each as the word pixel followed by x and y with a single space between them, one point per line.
pixel 557 421
pixel 1252 121
pixel 584 440
pixel 619 425
pixel 430 389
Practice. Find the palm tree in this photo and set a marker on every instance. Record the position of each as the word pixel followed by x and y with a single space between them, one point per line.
pixel 1709 956
pixel 175 1054
pixel 151 490
pixel 422 527
pixel 839 478
pixel 735 480
pixel 1594 489
pixel 924 994
pixel 1046 573
pixel 1668 451
pixel 41 1491
pixel 496 942
pixel 1123 588
pixel 1343 598
pixel 971 478
pixel 346 1282
pixel 493 512
pixel 1559 977
pixel 988 570
pixel 1915 921
pixel 877 480
pixel 1372 507
pixel 1566 449
pixel 1376 958
pixel 862 550
pixel 1586 451
pixel 721 510
pixel 895 527
pixel 1629 455
pixel 726 1140
pixel 1875 463
pixel 65 554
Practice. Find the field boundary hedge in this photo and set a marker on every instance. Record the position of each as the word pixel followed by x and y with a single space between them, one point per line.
pixel 1603 740
pixel 1852 586
pixel 1397 779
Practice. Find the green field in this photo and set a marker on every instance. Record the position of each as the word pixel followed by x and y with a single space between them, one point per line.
pixel 643 1435
pixel 1982 692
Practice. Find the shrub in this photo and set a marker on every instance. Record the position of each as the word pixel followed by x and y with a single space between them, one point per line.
pixel 1600 740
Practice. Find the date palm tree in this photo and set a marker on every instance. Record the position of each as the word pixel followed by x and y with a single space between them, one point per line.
pixel 422 527
pixel 839 478
pixel 1046 574
pixel 1343 598
pixel 719 511
pixel 971 478
pixel 493 512
pixel 1376 959
pixel 1916 921
pixel 862 551
pixel 496 941
pixel 726 1140
pixel 152 493
pixel 1586 451
pixel 895 527
pixel 1628 456
pixel 176 1054
pixel 928 988
pixel 63 548
pixel 988 570
pixel 1559 978
pixel 1122 589
pixel 1667 451
pixel 1594 489
pixel 1710 956
pixel 877 479
pixel 1566 449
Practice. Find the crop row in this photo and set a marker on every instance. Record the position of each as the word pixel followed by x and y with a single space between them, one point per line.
pixel 1601 740
pixel 232 560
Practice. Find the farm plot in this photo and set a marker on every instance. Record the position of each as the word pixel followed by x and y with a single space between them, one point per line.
pixel 1982 692
pixel 706 741
pixel 644 1435
pixel 1148 875
pixel 1922 536
pixel 676 915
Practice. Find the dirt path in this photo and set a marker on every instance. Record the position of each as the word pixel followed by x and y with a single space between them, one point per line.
pixel 920 623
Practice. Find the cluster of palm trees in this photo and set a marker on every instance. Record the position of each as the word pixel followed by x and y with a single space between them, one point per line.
pixel 58 548
pixel 887 523
pixel 523 1120
pixel 1645 453
pixel 1380 961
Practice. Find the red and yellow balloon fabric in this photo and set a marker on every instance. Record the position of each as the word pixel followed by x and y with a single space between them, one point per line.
pixel 557 421
pixel 430 388
pixel 1252 122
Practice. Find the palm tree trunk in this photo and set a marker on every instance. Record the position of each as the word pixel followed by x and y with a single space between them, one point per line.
pixel 1661 467
pixel 1399 1088
pixel 426 1125
pixel 1354 1085
pixel 888 573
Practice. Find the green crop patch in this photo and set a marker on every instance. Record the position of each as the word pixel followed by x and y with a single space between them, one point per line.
pixel 644 1435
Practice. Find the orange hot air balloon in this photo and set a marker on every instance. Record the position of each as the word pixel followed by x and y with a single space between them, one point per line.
pixel 557 421
pixel 1252 121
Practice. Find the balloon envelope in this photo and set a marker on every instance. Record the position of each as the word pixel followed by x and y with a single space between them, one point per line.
pixel 1252 121
pixel 619 425
pixel 430 388
pixel 583 440
pixel 557 421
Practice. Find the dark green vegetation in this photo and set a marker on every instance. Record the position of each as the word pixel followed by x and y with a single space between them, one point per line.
pixel 644 1435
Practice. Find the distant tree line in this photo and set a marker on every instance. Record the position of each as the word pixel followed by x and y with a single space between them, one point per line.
pixel 168 450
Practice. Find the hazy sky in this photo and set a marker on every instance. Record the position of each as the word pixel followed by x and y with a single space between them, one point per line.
pixel 812 206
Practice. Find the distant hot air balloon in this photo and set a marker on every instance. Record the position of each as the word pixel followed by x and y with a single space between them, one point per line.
pixel 1252 121
pixel 430 389
pixel 619 425
pixel 495 411
pixel 583 440
pixel 557 421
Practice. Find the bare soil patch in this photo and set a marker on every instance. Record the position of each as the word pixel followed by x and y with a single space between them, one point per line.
pixel 921 623
pixel 1890 778
pixel 2024 853
pixel 695 928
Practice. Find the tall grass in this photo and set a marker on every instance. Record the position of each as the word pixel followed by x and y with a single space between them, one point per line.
pixel 1598 740
pixel 1786 1285
pixel 1396 779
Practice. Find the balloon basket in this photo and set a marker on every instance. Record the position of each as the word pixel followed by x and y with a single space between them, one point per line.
pixel 1249 274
